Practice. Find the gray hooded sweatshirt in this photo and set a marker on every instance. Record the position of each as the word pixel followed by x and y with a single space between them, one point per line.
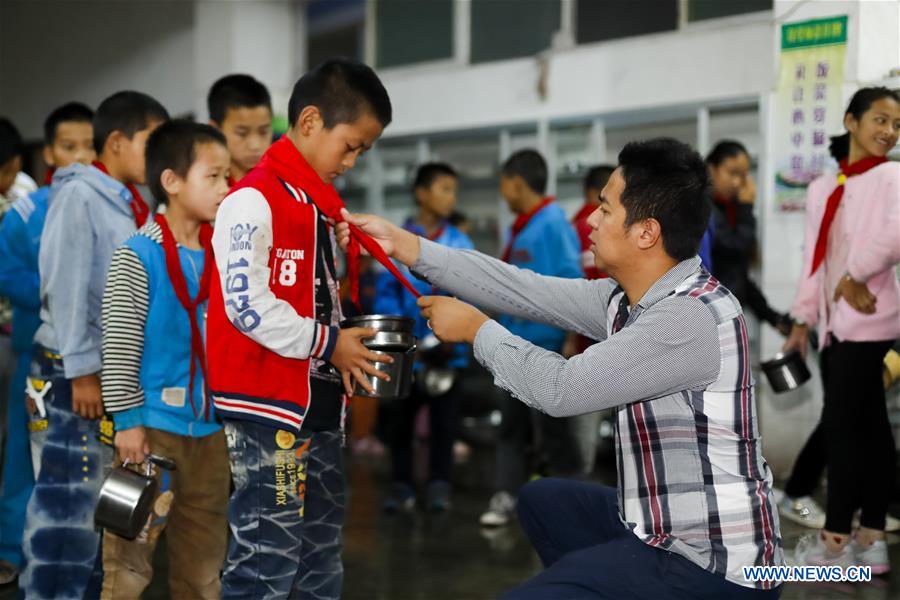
pixel 89 216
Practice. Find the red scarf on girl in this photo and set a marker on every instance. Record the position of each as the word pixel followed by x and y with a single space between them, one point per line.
pixel 520 223
pixel 857 168
pixel 290 166
pixel 179 284
pixel 730 206
pixel 139 208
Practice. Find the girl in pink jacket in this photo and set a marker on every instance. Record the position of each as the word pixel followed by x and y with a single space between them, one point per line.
pixel 849 291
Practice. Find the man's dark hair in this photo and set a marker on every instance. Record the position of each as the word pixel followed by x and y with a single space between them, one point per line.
pixel 724 150
pixel 597 177
pixel 342 90
pixel 530 166
pixel 11 144
pixel 128 112
pixel 668 181
pixel 173 145
pixel 427 173
pixel 236 91
pixel 72 112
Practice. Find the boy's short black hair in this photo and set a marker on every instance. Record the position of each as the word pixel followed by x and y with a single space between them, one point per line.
pixel 668 181
pixel 236 91
pixel 597 177
pixel 530 166
pixel 342 90
pixel 72 112
pixel 11 144
pixel 128 112
pixel 173 145
pixel 427 173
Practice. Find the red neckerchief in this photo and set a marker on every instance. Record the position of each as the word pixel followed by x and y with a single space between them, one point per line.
pixel 520 223
pixel 139 208
pixel 179 284
pixel 289 165
pixel 438 233
pixel 48 176
pixel 584 212
pixel 857 168
pixel 231 181
pixel 730 206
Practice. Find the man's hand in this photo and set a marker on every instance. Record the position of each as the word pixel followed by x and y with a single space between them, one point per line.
pixel 354 360
pixel 132 444
pixel 856 294
pixel 797 340
pixel 452 320
pixel 395 241
pixel 87 401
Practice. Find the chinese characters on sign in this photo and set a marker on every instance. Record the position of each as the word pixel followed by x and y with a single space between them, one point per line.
pixel 808 104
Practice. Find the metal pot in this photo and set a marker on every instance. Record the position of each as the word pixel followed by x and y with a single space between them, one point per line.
pixel 127 497
pixel 786 372
pixel 395 339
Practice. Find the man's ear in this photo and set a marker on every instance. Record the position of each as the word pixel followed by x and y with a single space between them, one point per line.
pixel 649 233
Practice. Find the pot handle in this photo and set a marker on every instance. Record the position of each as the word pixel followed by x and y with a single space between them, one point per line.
pixel 162 462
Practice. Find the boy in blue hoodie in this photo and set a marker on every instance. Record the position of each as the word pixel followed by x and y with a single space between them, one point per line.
pixel 154 383
pixel 92 210
pixel 541 240
pixel 435 192
pixel 68 139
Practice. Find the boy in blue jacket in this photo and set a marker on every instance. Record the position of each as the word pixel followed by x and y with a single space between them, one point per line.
pixel 91 211
pixel 68 139
pixel 435 192
pixel 542 240
pixel 154 383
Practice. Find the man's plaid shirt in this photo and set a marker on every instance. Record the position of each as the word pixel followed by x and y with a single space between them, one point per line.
pixel 692 479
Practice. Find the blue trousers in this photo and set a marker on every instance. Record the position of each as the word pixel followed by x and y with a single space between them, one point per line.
pixel 286 513
pixel 588 553
pixel 18 476
pixel 62 546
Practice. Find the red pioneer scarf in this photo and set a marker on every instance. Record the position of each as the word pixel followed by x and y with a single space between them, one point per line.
pixel 48 176
pixel 520 223
pixel 139 208
pixel 289 165
pixel 857 168
pixel 179 284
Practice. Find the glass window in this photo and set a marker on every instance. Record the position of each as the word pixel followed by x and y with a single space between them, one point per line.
pixel 711 9
pixel 599 21
pixel 512 28
pixel 411 31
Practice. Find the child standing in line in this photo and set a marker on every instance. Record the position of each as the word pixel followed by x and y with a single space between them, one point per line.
pixel 240 106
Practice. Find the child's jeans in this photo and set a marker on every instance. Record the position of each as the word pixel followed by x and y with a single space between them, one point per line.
pixel 61 545
pixel 286 513
pixel 190 506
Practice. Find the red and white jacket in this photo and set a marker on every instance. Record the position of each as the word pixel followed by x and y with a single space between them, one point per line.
pixel 262 335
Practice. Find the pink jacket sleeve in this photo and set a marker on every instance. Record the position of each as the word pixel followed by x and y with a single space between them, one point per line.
pixel 806 302
pixel 878 245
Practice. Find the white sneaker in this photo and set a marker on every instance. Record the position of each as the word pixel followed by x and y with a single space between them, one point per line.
pixel 803 511
pixel 874 556
pixel 811 550
pixel 501 510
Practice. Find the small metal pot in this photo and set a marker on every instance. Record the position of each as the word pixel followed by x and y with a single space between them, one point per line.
pixel 786 372
pixel 395 339
pixel 127 497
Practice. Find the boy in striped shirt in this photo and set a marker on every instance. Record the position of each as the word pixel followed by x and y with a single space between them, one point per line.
pixel 154 368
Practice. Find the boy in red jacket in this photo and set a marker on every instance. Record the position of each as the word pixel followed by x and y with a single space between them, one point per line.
pixel 279 364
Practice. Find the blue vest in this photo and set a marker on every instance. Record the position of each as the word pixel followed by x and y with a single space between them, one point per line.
pixel 165 365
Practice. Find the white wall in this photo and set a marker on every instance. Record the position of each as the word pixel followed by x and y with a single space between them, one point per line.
pixel 53 52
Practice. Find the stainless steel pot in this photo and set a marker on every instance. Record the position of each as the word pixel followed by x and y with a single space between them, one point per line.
pixel 786 372
pixel 395 339
pixel 127 497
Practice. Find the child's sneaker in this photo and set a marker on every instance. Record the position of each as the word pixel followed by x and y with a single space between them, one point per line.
pixel 438 496
pixel 874 556
pixel 803 511
pixel 401 498
pixel 812 551
pixel 500 511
